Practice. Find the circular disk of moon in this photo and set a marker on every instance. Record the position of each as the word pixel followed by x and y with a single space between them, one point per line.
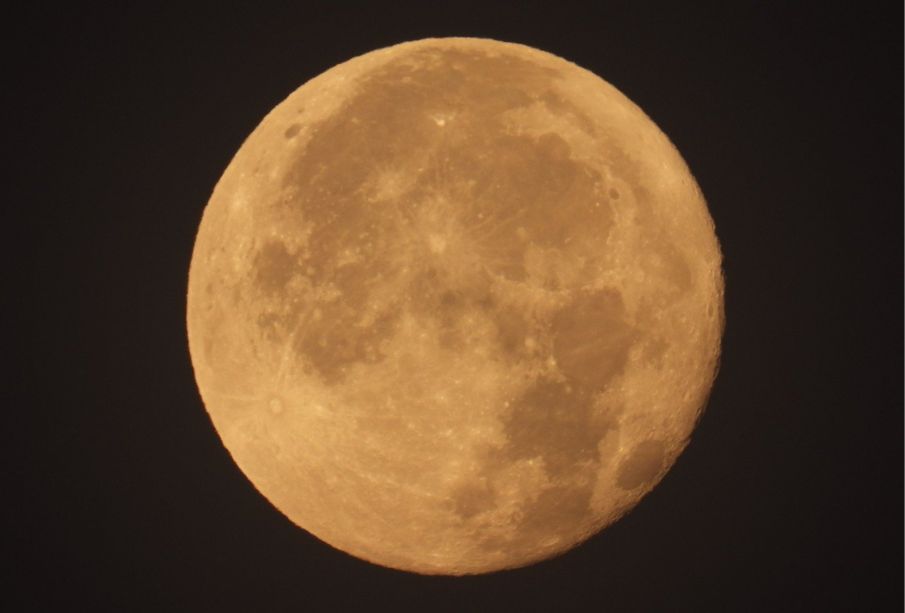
pixel 455 306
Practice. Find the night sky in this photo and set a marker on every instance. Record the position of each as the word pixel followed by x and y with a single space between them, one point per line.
pixel 790 495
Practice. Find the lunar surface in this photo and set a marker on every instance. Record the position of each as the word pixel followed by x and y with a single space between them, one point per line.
pixel 455 306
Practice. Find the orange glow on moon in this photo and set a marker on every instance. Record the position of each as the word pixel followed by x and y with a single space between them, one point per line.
pixel 455 306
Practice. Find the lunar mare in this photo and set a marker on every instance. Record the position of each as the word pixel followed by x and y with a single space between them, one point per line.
pixel 455 306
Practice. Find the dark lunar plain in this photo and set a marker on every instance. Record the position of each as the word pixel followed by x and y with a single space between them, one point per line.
pixel 790 495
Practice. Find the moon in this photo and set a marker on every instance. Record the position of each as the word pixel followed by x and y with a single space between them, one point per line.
pixel 455 306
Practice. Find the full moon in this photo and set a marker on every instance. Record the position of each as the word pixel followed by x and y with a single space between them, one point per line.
pixel 455 306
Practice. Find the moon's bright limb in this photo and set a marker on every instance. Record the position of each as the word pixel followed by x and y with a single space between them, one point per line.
pixel 455 305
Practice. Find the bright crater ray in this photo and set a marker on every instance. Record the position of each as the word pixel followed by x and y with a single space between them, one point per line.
pixel 455 306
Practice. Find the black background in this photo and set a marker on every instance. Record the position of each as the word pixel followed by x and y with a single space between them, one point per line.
pixel 789 497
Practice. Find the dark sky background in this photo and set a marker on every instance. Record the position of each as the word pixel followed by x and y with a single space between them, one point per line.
pixel 790 496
